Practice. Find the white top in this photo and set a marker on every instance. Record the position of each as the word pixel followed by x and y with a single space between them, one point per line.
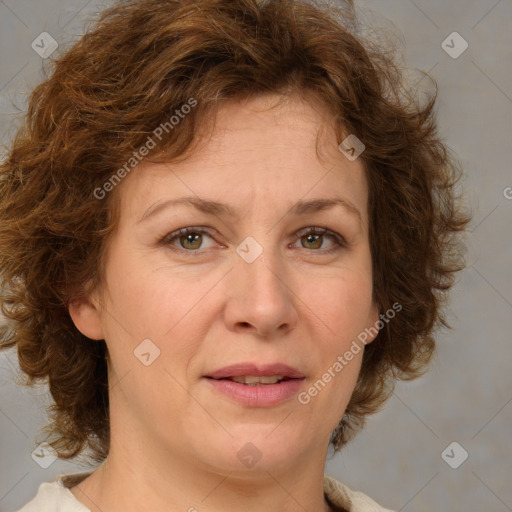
pixel 54 497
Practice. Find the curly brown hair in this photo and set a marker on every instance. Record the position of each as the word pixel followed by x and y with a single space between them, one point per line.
pixel 107 93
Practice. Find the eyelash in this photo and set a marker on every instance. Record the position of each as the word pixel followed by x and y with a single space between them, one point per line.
pixel 340 242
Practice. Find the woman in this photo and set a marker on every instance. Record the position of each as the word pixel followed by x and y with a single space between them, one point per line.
pixel 224 234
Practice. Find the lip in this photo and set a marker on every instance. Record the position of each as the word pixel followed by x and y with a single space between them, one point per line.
pixel 254 370
pixel 262 395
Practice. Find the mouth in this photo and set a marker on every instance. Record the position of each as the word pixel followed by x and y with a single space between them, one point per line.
pixel 252 373
pixel 257 380
pixel 253 385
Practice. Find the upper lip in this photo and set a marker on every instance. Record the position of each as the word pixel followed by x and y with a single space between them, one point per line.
pixel 256 370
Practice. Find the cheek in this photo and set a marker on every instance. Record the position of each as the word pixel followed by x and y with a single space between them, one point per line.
pixel 155 327
pixel 340 309
pixel 342 304
pixel 148 299
pixel 163 305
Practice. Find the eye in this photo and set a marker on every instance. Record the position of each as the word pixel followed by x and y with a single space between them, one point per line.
pixel 313 238
pixel 189 239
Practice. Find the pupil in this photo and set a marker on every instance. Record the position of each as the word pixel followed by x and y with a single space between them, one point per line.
pixel 194 238
pixel 314 239
pixel 190 239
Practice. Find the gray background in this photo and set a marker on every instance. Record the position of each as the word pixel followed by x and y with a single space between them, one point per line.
pixel 466 396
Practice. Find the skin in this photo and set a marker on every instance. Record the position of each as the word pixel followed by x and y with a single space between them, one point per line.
pixel 174 439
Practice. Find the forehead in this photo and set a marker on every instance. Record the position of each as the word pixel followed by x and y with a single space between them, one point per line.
pixel 262 150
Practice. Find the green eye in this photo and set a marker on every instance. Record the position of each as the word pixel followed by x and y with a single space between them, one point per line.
pixel 190 239
pixel 313 238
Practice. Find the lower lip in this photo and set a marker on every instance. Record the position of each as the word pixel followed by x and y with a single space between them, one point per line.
pixel 262 395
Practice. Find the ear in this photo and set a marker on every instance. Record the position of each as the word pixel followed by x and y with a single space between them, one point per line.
pixel 372 328
pixel 86 315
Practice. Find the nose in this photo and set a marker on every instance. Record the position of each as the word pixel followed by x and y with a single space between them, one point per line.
pixel 260 298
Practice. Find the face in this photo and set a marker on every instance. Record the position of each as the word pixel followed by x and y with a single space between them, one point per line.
pixel 268 278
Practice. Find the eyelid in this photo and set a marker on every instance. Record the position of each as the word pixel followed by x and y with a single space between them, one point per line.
pixel 184 231
pixel 339 240
pixel 320 230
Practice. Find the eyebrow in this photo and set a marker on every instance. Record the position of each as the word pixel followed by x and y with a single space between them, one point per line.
pixel 222 209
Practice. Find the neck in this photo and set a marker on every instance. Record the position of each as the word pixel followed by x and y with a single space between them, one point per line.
pixel 127 482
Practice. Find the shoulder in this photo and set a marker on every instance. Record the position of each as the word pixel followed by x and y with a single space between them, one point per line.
pixel 54 497
pixel 344 498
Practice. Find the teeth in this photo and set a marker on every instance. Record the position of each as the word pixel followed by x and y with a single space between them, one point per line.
pixel 253 381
